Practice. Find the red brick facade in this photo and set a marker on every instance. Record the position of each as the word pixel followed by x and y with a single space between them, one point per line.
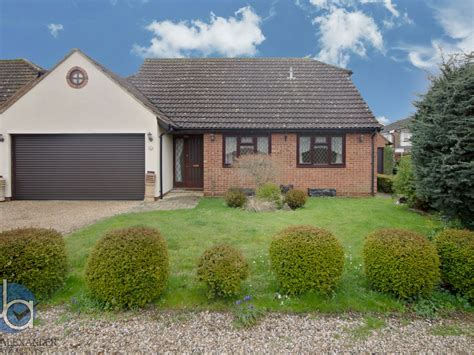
pixel 351 180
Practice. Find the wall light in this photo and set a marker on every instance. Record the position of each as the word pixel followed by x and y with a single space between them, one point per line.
pixel 150 136
pixel 213 137
pixel 2 139
pixel 361 138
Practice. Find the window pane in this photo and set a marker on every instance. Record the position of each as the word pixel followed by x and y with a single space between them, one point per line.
pixel 320 154
pixel 305 150
pixel 319 139
pixel 246 149
pixel 246 140
pixel 262 145
pixel 336 150
pixel 179 159
pixel 230 151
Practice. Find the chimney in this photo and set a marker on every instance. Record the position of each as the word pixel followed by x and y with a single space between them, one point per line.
pixel 291 77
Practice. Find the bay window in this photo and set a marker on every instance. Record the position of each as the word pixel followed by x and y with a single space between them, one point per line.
pixel 321 150
pixel 239 145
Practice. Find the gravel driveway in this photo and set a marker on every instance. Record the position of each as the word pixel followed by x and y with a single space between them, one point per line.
pixel 64 216
pixel 154 331
pixel 67 216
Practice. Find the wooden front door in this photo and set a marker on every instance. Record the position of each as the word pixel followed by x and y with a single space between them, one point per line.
pixel 188 161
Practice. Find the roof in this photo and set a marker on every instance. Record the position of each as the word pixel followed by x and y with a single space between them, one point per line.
pixel 400 124
pixel 15 74
pixel 253 93
pixel 127 86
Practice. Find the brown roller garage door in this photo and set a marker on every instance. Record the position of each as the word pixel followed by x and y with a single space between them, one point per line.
pixel 78 167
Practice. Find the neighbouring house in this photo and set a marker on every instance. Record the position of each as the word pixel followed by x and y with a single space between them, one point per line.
pixel 81 132
pixel 398 133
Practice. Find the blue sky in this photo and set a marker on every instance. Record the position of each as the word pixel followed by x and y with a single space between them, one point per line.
pixel 391 45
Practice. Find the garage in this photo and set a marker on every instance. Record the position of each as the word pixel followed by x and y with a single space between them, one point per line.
pixel 78 166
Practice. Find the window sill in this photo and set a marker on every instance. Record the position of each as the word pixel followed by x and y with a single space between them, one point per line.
pixel 310 166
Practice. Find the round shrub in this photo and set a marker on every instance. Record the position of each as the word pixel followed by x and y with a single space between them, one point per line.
pixel 295 199
pixel 222 268
pixel 400 262
pixel 269 192
pixel 235 198
pixel 128 268
pixel 456 252
pixel 306 258
pixel 34 258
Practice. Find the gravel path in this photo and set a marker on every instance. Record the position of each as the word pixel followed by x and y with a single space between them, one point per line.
pixel 154 331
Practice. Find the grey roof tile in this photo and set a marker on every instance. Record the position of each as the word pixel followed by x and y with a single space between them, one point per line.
pixel 14 75
pixel 253 93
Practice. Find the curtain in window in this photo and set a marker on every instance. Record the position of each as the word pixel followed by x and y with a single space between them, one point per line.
pixel 305 150
pixel 230 149
pixel 336 150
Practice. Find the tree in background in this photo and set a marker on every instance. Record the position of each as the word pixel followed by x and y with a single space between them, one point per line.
pixel 388 160
pixel 443 141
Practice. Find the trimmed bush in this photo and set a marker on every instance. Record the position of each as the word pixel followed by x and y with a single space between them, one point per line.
pixel 385 183
pixel 222 268
pixel 456 252
pixel 235 198
pixel 34 258
pixel 306 258
pixel 400 262
pixel 128 268
pixel 270 192
pixel 295 199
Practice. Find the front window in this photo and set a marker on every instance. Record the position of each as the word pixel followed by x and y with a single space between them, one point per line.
pixel 321 150
pixel 239 145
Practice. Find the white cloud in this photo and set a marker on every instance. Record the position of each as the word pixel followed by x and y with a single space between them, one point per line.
pixel 327 4
pixel 237 35
pixel 456 20
pixel 54 29
pixel 383 120
pixel 386 3
pixel 345 33
pixel 391 7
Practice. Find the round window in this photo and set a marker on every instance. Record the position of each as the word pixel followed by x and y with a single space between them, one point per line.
pixel 77 77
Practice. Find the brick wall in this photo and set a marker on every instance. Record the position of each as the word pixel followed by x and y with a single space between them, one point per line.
pixel 352 180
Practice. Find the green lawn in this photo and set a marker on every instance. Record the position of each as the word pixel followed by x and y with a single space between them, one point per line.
pixel 190 232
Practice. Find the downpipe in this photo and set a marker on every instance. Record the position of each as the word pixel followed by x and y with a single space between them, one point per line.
pixel 372 163
pixel 161 159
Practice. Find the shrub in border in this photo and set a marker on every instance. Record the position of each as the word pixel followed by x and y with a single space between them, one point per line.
pixel 128 268
pixel 35 258
pixel 456 251
pixel 295 199
pixel 235 198
pixel 400 262
pixel 270 192
pixel 385 183
pixel 222 268
pixel 306 258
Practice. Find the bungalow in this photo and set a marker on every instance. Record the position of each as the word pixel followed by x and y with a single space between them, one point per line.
pixel 79 131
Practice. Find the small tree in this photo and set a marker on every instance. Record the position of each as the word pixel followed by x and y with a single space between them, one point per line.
pixel 388 160
pixel 260 168
pixel 443 141
pixel 404 181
